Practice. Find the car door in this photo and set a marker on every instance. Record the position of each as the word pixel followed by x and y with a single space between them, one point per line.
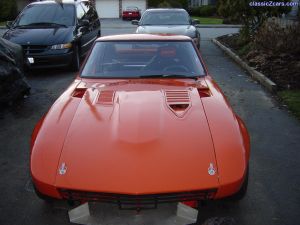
pixel 92 16
pixel 94 24
pixel 82 29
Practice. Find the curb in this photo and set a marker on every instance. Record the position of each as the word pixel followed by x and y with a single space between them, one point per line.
pixel 219 26
pixel 261 78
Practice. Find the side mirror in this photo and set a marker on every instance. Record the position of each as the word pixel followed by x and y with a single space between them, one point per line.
pixel 84 23
pixel 9 24
pixel 195 22
pixel 135 22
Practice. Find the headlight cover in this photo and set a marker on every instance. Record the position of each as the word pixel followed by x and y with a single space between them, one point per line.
pixel 61 46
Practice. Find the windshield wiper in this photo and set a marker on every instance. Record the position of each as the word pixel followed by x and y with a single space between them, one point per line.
pixel 168 76
pixel 42 24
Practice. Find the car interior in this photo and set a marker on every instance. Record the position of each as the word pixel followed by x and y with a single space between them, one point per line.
pixel 137 58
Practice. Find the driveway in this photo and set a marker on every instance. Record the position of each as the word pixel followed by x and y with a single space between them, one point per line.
pixel 274 187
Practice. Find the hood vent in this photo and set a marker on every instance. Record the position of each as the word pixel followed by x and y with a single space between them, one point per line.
pixel 79 92
pixel 178 101
pixel 106 97
pixel 203 89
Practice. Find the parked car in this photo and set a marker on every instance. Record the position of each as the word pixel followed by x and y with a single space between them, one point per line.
pixel 55 34
pixel 168 22
pixel 142 124
pixel 131 12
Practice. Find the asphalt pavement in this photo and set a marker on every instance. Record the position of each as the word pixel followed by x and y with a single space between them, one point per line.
pixel 274 187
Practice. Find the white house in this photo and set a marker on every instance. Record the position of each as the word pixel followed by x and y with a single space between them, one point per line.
pixel 113 8
pixel 196 3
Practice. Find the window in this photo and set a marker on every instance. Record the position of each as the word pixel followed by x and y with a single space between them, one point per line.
pixel 166 18
pixel 80 12
pixel 90 11
pixel 142 58
pixel 47 13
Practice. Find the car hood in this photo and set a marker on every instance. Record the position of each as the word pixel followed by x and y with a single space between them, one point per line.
pixel 136 138
pixel 39 36
pixel 188 30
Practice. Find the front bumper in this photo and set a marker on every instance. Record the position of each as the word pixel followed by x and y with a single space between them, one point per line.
pixel 43 56
pixel 34 61
pixel 137 202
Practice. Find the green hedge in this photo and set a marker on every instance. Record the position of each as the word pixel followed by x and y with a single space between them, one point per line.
pixel 204 11
pixel 8 10
pixel 168 3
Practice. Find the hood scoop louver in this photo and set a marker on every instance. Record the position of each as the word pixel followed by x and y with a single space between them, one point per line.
pixel 106 97
pixel 178 101
pixel 79 92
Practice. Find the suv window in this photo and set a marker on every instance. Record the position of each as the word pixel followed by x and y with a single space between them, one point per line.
pixel 89 9
pixel 85 6
pixel 80 12
pixel 37 14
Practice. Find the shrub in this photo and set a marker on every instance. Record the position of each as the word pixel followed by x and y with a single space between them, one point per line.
pixel 208 10
pixel 195 11
pixel 250 16
pixel 168 3
pixel 204 11
pixel 164 4
pixel 8 10
pixel 279 36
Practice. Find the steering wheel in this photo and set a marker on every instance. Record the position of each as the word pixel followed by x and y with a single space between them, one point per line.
pixel 177 68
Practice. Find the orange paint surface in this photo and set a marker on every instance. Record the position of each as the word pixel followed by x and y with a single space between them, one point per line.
pixel 140 136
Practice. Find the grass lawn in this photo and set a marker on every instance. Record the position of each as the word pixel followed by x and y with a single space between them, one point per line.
pixel 292 99
pixel 208 20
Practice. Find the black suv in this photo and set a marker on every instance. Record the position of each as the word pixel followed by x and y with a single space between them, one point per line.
pixel 55 33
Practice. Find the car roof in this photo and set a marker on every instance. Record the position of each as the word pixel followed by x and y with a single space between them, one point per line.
pixel 166 9
pixel 144 37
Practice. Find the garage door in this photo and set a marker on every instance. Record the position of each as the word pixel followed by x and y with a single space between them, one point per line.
pixel 141 4
pixel 108 8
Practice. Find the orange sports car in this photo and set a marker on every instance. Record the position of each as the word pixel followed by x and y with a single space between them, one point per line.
pixel 142 124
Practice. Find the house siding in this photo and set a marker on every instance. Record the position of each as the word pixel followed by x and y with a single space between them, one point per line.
pixel 119 9
pixel 197 3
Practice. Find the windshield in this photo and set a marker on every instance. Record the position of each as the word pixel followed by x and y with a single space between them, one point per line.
pixel 47 14
pixel 165 18
pixel 132 8
pixel 136 59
